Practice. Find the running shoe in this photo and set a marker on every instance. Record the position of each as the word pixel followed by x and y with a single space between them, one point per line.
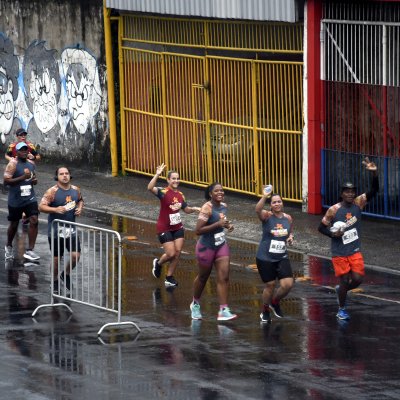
pixel 8 250
pixel 170 281
pixel 225 315
pixel 276 309
pixel 195 309
pixel 31 255
pixel 342 314
pixel 156 268
pixel 265 317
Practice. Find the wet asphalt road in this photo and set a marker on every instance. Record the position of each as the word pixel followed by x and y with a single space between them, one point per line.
pixel 307 355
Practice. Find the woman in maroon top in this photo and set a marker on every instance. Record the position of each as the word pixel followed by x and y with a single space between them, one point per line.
pixel 169 224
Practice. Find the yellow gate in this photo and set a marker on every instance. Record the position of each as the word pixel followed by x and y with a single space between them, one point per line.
pixel 211 117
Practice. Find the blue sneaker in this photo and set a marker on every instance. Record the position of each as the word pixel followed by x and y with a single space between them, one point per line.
pixel 225 315
pixel 342 314
pixel 195 309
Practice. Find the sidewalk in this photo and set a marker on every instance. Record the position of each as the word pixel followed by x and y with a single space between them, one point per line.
pixel 128 195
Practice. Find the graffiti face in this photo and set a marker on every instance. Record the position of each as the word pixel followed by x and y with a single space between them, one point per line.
pixel 79 94
pixel 83 87
pixel 9 71
pixel 6 103
pixel 43 93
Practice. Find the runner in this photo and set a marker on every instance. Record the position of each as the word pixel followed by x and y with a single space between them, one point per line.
pixel 212 249
pixel 20 176
pixel 33 155
pixel 11 152
pixel 272 258
pixel 169 225
pixel 342 223
pixel 63 201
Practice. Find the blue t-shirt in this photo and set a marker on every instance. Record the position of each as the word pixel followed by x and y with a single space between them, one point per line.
pixel 349 243
pixel 22 193
pixel 275 231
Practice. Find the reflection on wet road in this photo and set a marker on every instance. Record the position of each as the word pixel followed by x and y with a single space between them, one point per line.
pixel 307 355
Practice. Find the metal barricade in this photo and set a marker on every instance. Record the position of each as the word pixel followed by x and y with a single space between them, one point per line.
pixel 95 277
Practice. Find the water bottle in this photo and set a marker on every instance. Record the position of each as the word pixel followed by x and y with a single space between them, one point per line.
pixel 267 190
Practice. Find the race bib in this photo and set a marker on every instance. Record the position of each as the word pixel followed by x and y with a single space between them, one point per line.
pixel 277 246
pixel 65 233
pixel 219 238
pixel 26 190
pixel 350 236
pixel 174 219
pixel 70 205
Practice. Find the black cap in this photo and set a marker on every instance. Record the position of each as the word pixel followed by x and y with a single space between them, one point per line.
pixel 348 185
pixel 21 131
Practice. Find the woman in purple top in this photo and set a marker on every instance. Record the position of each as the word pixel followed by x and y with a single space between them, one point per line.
pixel 213 250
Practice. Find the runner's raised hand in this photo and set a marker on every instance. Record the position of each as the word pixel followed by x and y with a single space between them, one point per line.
pixel 160 169
pixel 369 165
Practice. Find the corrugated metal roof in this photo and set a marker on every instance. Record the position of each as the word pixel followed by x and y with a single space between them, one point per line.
pixel 261 10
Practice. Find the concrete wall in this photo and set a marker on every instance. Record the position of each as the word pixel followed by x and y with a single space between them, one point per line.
pixel 53 78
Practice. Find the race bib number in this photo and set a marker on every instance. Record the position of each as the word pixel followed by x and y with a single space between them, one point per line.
pixel 65 232
pixel 174 219
pixel 219 238
pixel 70 205
pixel 350 236
pixel 26 190
pixel 277 246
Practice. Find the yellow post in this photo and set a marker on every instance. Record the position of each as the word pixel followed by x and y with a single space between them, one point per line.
pixel 122 95
pixel 164 112
pixel 210 174
pixel 255 122
pixel 110 90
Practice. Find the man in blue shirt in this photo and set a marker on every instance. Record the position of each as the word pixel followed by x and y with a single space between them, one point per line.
pixel 20 176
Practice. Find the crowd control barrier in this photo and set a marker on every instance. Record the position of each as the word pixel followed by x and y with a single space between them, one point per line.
pixel 95 278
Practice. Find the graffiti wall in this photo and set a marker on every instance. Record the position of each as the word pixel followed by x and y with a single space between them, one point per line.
pixel 52 78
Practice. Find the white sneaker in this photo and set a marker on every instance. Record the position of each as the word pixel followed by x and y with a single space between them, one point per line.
pixel 31 255
pixel 225 315
pixel 195 310
pixel 9 255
